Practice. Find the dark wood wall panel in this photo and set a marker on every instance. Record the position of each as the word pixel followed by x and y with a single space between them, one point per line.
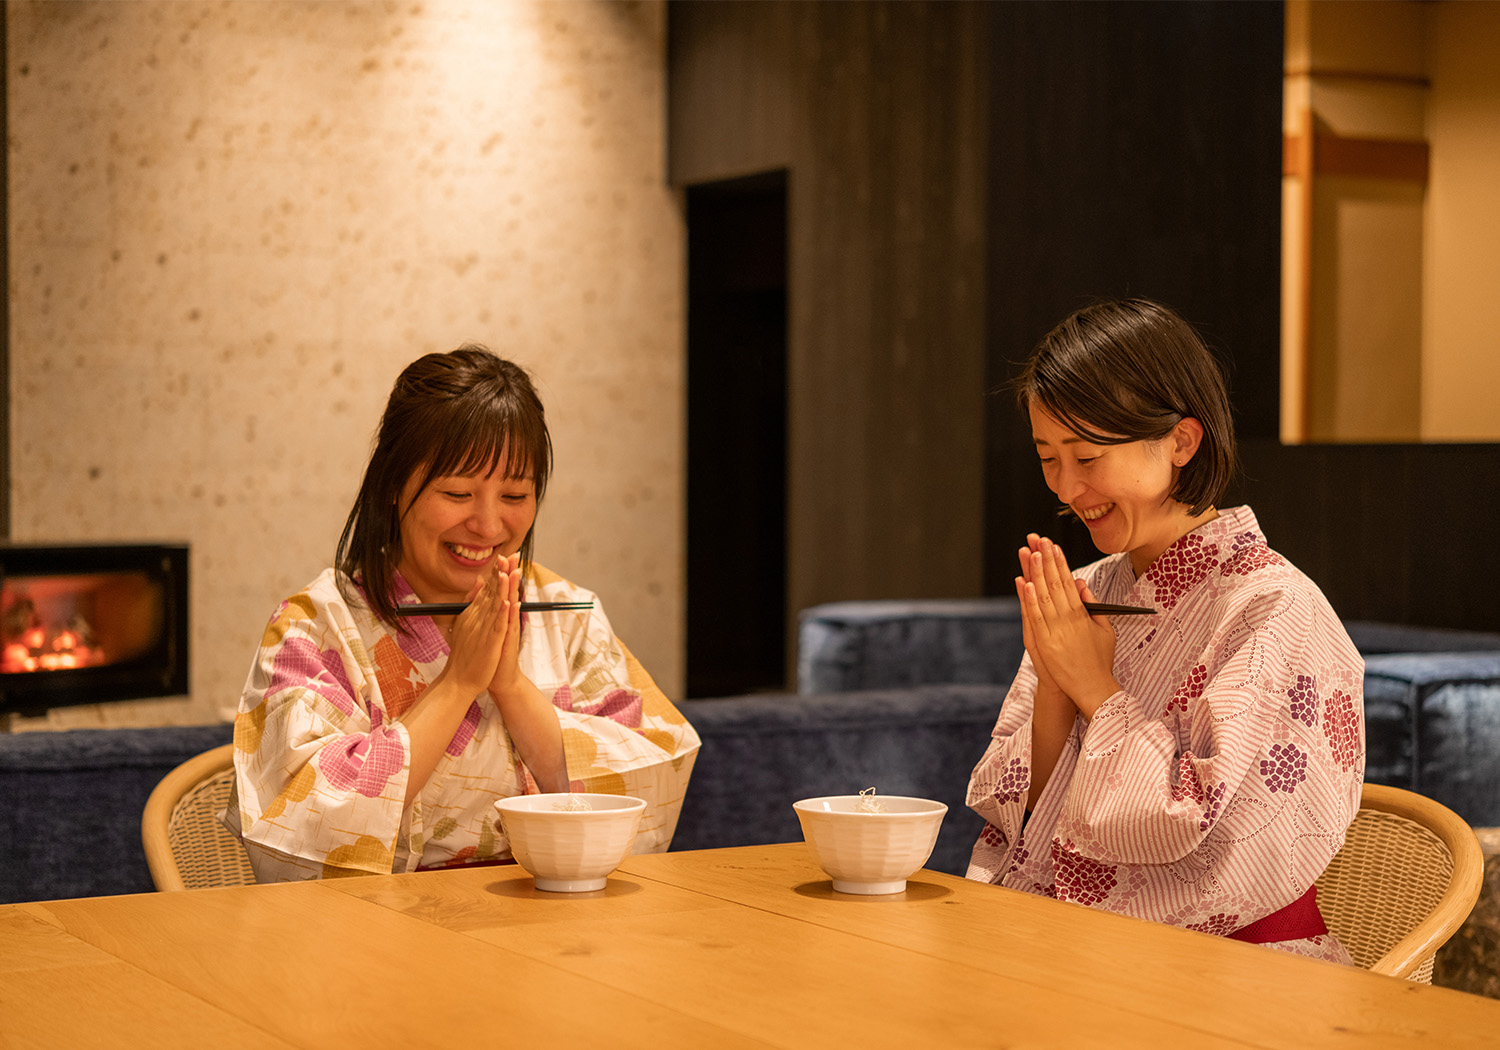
pixel 876 110
pixel 963 175
pixel 1136 150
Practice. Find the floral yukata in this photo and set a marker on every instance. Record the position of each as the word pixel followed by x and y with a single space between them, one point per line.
pixel 321 759
pixel 1216 786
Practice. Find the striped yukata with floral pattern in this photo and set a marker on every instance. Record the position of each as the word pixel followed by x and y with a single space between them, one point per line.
pixel 1216 786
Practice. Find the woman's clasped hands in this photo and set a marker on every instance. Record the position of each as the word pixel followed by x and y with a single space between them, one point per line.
pixel 1071 651
pixel 485 640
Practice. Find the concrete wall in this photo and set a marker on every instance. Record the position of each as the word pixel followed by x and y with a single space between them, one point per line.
pixel 233 223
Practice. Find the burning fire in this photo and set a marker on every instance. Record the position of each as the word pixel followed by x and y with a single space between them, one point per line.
pixel 40 649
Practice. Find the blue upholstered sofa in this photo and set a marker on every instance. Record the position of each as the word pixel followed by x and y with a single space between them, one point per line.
pixel 899 696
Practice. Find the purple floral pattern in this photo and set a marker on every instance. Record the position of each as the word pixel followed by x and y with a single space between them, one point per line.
pixel 1285 768
pixel 1303 697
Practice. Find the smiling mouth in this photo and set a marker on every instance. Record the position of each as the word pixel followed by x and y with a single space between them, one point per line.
pixel 1096 513
pixel 471 553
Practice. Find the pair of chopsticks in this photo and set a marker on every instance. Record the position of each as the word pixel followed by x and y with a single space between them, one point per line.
pixel 1105 609
pixel 453 608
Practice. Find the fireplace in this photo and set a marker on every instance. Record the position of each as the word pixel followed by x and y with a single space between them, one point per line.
pixel 88 624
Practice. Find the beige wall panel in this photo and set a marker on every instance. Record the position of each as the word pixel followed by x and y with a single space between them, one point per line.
pixel 1461 353
pixel 233 223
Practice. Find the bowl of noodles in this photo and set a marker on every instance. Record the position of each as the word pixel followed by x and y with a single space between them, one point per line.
pixel 569 843
pixel 870 844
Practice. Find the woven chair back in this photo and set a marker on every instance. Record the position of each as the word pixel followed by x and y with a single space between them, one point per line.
pixel 1397 891
pixel 186 846
pixel 207 854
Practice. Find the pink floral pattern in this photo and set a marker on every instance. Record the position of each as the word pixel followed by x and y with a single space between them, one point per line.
pixel 1220 925
pixel 1341 726
pixel 1191 689
pixel 1079 878
pixel 1180 568
pixel 300 664
pixel 363 762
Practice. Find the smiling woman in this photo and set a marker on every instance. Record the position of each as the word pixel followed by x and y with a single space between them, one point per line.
pixel 1166 766
pixel 367 741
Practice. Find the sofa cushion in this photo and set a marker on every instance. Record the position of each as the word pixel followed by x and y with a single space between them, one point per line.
pixel 70 825
pixel 762 753
pixel 1432 725
pixel 892 644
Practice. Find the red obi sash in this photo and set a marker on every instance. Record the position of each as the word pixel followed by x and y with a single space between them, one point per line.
pixel 1297 920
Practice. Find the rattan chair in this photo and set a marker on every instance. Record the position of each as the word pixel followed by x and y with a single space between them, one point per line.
pixel 1406 879
pixel 186 846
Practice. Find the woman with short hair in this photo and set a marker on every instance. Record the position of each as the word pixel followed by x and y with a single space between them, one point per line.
pixel 1197 766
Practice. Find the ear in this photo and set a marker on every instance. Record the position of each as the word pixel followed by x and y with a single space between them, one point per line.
pixel 1184 440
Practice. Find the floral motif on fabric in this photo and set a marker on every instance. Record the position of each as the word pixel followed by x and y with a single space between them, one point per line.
pixel 1285 768
pixel 1081 879
pixel 1187 785
pixel 1341 727
pixel 399 680
pixel 1180 568
pixel 1022 855
pixel 1190 689
pixel 1219 925
pixel 1013 783
pixel 992 836
pixel 299 663
pixel 618 705
pixel 465 731
pixel 1303 694
pixel 1246 560
pixel 364 762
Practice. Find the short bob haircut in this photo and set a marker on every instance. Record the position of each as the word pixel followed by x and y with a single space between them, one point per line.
pixel 1129 370
pixel 456 413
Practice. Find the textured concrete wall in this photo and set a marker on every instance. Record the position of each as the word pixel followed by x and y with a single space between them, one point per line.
pixel 233 223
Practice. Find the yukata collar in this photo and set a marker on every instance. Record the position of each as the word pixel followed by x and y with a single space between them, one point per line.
pixel 421 641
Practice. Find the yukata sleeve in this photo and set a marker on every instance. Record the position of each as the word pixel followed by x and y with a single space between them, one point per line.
pixel 1136 798
pixel 1001 781
pixel 320 776
pixel 621 735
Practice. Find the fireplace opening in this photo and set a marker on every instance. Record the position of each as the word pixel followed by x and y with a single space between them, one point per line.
pixel 91 624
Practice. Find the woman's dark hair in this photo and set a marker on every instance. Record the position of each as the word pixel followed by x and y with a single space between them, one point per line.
pixel 453 413
pixel 1129 370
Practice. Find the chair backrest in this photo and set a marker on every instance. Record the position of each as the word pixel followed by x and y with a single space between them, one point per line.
pixel 186 846
pixel 1406 879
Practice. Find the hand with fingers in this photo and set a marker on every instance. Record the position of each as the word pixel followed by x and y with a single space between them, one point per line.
pixel 1071 649
pixel 480 632
pixel 507 676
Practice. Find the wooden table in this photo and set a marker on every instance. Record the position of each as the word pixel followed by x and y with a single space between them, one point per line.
pixel 728 948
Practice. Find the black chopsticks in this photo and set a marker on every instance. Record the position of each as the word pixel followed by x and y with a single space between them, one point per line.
pixel 453 608
pixel 1105 609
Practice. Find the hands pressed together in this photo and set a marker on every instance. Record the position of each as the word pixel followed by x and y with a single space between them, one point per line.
pixel 1072 652
pixel 485 643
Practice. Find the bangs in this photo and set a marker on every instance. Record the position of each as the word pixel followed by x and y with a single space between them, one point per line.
pixel 493 437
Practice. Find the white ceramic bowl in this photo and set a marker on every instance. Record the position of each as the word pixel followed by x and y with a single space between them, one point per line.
pixel 870 852
pixel 570 851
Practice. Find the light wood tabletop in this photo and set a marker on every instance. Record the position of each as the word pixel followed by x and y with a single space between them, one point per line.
pixel 746 947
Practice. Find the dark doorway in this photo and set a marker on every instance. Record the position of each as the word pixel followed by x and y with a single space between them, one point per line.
pixel 736 423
